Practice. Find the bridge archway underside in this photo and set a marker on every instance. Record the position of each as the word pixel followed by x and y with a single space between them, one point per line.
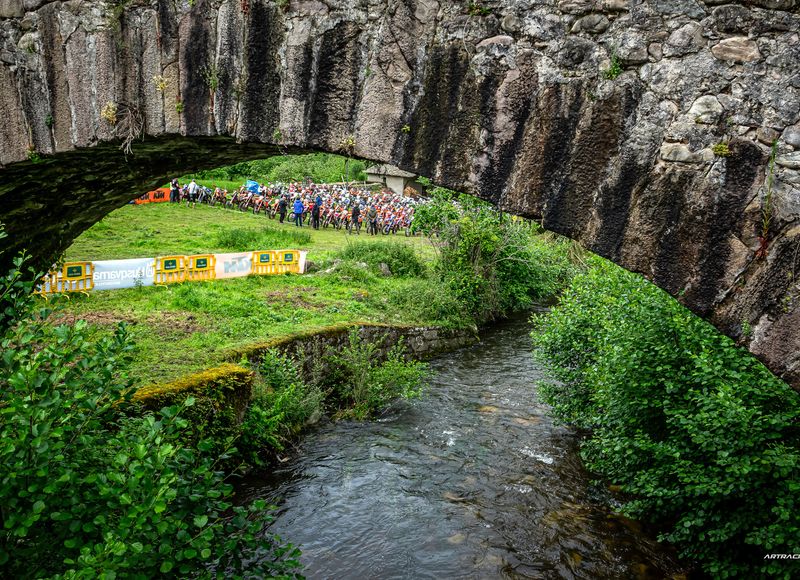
pixel 519 105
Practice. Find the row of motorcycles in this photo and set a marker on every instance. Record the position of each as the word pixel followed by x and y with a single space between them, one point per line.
pixel 246 200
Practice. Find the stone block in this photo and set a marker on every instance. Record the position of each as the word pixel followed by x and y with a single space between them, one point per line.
pixel 738 49
pixel 706 109
pixel 686 39
pixel 789 160
pixel 680 153
pixel 767 135
pixel 591 23
pixel 11 9
pixel 791 136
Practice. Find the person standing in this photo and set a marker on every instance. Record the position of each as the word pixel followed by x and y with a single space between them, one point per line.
pixel 193 187
pixel 282 207
pixel 298 212
pixel 372 217
pixel 315 215
pixel 354 219
pixel 174 191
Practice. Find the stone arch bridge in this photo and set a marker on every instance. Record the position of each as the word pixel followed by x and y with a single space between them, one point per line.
pixel 641 128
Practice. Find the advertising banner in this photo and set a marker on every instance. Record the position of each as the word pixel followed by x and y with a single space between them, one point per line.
pixel 113 274
pixel 234 265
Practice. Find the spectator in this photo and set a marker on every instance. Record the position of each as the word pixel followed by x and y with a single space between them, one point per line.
pixel 298 212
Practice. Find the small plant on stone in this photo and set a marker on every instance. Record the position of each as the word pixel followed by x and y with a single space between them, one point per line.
pixel 33 154
pixel 179 107
pixel 109 112
pixel 406 129
pixel 477 9
pixel 49 120
pixel 348 144
pixel 766 206
pixel 211 77
pixel 721 150
pixel 614 69
pixel 160 83
pixel 277 136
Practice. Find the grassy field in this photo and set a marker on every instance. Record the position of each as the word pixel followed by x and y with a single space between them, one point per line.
pixel 188 327
pixel 162 229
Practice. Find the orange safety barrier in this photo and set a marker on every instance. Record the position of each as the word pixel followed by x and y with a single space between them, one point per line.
pixel 201 267
pixel 73 277
pixel 265 262
pixel 170 269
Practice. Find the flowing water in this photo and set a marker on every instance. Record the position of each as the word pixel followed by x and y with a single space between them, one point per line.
pixel 474 480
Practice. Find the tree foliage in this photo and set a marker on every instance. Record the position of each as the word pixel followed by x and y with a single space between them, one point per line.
pixel 699 433
pixel 320 167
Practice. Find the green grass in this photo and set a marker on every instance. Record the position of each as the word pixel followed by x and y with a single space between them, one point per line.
pixel 163 229
pixel 189 327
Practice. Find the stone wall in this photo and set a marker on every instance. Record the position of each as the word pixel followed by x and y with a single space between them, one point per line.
pixel 517 101
pixel 422 342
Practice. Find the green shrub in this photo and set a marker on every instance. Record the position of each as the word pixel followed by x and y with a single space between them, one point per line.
pixel 491 264
pixel 367 383
pixel 88 492
pixel 282 404
pixel 703 437
pixel 266 238
pixel 401 258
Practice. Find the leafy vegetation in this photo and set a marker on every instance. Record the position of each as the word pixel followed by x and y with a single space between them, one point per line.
pixel 401 258
pixel 366 382
pixel 492 265
pixel 702 437
pixel 614 68
pixel 320 167
pixel 89 492
pixel 721 150
pixel 282 403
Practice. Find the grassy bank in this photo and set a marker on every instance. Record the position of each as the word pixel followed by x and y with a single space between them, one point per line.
pixel 184 328
pixel 163 229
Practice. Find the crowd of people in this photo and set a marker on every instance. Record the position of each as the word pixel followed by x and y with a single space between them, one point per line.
pixel 341 206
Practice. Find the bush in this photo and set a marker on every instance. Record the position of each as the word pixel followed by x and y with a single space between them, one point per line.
pixel 401 258
pixel 367 383
pixel 88 492
pixel 703 437
pixel 282 404
pixel 492 265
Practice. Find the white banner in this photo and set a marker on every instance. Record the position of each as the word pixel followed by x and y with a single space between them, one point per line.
pixel 113 274
pixel 234 265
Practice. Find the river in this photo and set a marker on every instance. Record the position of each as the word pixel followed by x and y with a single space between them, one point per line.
pixel 473 480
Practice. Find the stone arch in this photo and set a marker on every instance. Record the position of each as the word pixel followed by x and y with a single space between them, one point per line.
pixel 598 117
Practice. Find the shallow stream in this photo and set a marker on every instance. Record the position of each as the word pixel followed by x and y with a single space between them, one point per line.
pixel 473 480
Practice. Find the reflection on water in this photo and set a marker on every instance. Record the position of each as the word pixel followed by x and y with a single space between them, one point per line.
pixel 472 481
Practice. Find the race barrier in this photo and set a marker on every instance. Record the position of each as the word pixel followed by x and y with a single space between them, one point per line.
pixel 163 270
